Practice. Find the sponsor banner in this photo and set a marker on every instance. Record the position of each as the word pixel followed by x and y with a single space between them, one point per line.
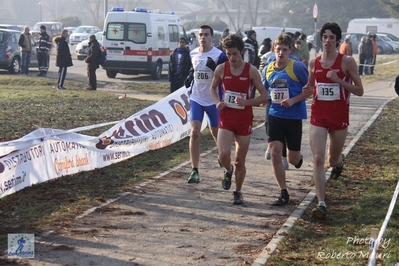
pixel 45 153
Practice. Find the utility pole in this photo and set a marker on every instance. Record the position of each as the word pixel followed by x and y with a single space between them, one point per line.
pixel 105 8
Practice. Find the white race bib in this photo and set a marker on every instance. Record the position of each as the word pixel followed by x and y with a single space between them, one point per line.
pixel 279 94
pixel 230 97
pixel 328 91
pixel 203 76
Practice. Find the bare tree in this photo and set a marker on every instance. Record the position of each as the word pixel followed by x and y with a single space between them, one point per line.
pixel 94 8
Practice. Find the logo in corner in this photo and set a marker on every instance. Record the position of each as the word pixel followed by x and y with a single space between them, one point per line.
pixel 21 246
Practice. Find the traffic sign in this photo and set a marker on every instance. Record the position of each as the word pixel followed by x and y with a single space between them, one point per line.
pixel 315 11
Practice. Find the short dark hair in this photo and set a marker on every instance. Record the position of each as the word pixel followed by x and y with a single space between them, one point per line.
pixel 204 27
pixel 181 38
pixel 334 28
pixel 233 41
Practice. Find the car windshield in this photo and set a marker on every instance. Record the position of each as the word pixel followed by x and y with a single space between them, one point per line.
pixel 82 30
pixel 393 38
pixel 384 38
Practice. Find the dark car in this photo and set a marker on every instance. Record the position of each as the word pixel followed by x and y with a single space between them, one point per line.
pixel 383 47
pixel 52 28
pixel 10 55
pixel 11 27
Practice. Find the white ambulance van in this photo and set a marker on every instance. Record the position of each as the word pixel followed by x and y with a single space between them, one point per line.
pixel 140 42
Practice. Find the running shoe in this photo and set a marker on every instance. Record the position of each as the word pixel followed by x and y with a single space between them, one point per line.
pixel 238 198
pixel 267 154
pixel 320 212
pixel 283 199
pixel 299 164
pixel 226 182
pixel 285 163
pixel 336 171
pixel 194 177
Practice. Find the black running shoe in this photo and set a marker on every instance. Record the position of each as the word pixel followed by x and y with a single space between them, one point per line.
pixel 238 198
pixel 299 164
pixel 283 199
pixel 226 182
pixel 320 212
pixel 336 171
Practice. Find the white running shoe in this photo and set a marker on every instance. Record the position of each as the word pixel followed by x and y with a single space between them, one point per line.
pixel 267 154
pixel 285 163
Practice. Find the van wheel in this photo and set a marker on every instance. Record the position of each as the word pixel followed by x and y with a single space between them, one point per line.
pixel 111 74
pixel 15 65
pixel 157 72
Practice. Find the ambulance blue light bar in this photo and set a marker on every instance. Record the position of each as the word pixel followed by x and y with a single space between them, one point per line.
pixel 117 8
pixel 141 9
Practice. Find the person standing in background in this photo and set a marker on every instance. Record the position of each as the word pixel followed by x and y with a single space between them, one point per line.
pixel 179 66
pixel 304 49
pixel 25 42
pixel 346 46
pixel 365 53
pixel 375 52
pixel 63 58
pixel 43 51
pixel 92 62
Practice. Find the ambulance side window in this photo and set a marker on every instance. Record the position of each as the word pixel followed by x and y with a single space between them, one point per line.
pixel 173 33
pixel 137 32
pixel 115 31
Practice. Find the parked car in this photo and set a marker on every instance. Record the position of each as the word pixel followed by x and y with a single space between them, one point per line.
pixel 12 27
pixel 390 36
pixel 383 47
pixel 10 55
pixel 83 46
pixel 82 33
pixel 52 28
pixel 385 38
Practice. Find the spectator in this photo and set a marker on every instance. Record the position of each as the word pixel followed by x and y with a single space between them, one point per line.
pixel 304 49
pixel 43 51
pixel 63 59
pixel 251 49
pixel 375 52
pixel 25 42
pixel 179 66
pixel 364 54
pixel 265 47
pixel 92 62
pixel 346 46
pixel 298 51
pixel 194 41
pixel 250 55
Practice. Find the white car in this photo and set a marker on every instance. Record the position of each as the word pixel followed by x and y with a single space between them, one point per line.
pixel 82 33
pixel 81 48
